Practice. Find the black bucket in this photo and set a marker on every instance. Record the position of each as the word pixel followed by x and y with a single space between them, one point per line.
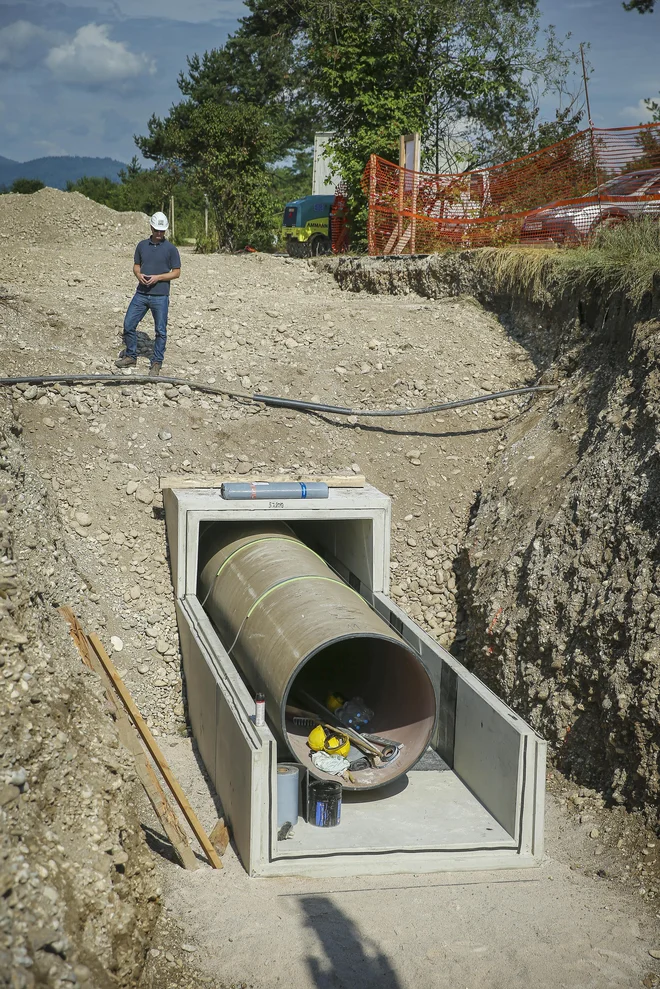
pixel 324 804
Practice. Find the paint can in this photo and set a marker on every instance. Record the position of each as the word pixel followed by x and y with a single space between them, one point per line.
pixel 288 781
pixel 324 804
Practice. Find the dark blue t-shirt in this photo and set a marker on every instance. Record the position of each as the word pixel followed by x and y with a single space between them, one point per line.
pixel 156 259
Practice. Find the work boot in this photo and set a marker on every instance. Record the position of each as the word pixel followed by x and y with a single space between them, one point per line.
pixel 154 369
pixel 126 362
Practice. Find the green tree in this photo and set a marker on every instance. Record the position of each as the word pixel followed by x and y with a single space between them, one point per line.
pixel 464 71
pixel 100 189
pixel 261 64
pixel 641 6
pixel 224 150
pixel 26 186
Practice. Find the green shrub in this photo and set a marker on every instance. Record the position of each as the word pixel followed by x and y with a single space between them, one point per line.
pixel 27 186
pixel 206 244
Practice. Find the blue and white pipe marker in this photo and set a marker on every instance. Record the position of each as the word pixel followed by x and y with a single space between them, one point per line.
pixel 273 490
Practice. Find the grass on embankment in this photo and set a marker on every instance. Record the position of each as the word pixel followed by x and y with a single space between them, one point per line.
pixel 624 257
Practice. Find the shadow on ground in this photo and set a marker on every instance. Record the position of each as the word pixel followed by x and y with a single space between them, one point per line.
pixel 350 959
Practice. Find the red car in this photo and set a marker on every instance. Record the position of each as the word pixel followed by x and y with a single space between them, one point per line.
pixel 617 201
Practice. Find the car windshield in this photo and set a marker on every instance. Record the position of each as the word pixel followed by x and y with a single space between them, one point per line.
pixel 624 185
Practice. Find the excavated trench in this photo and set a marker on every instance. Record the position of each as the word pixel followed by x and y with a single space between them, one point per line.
pixel 558 576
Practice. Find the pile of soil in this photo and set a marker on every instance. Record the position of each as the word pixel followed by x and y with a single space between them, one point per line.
pixel 54 217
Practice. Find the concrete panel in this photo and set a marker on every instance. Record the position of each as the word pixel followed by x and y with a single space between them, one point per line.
pixel 533 797
pixel 445 732
pixel 177 550
pixel 187 507
pixel 434 806
pixel 237 755
pixel 488 755
pixel 200 691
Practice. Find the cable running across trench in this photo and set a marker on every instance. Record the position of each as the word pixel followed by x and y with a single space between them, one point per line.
pixel 272 401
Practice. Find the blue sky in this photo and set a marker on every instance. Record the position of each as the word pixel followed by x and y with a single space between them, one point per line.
pixel 82 76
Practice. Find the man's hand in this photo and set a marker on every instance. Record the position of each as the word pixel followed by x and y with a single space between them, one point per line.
pixel 150 279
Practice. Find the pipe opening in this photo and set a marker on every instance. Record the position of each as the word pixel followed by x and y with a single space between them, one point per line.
pixel 392 682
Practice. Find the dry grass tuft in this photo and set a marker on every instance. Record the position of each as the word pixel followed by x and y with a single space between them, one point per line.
pixel 526 270
pixel 622 258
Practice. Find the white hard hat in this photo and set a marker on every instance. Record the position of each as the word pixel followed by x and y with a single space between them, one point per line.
pixel 159 221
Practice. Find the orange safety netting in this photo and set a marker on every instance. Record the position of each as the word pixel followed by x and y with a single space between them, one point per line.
pixel 562 194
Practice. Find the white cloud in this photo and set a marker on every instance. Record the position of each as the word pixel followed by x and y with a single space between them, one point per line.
pixel 191 12
pixel 22 43
pixel 91 58
pixel 638 114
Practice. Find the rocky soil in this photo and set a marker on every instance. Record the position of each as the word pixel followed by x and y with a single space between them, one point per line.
pixel 558 578
pixel 83 525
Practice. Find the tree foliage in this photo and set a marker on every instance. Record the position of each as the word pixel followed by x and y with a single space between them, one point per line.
pixel 223 148
pixel 641 6
pixel 467 74
pixel 26 186
pixel 260 64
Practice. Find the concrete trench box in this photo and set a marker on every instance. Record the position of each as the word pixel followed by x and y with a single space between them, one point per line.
pixel 473 801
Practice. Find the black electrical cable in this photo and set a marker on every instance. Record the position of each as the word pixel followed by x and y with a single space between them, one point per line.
pixel 273 401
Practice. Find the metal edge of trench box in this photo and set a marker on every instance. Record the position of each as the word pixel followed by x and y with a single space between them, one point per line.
pixel 479 807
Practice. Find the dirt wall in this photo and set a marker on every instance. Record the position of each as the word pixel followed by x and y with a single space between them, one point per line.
pixel 78 888
pixel 558 578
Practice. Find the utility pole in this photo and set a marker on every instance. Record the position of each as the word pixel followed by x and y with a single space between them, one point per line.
pixel 591 129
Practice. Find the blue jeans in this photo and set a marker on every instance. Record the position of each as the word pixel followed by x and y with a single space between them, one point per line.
pixel 138 308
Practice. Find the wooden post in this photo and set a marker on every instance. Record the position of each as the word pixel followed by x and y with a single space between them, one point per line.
pixel 402 179
pixel 415 190
pixel 172 216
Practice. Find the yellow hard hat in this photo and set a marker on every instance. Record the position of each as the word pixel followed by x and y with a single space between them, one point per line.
pixel 330 740
pixel 334 702
pixel 316 739
pixel 338 744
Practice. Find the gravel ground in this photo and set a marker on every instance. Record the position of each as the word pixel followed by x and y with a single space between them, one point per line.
pixel 87 530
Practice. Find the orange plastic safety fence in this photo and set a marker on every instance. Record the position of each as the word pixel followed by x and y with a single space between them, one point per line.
pixel 563 194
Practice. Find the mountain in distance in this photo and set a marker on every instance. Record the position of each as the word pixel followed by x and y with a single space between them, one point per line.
pixel 56 171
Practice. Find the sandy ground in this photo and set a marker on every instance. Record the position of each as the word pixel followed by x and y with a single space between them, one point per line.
pixel 272 325
pixel 555 927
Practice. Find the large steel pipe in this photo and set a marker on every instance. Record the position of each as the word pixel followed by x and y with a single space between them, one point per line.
pixel 295 629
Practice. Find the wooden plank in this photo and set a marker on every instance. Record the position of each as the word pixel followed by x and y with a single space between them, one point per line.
pixel 78 636
pixel 154 751
pixel 215 480
pixel 128 736
pixel 403 240
pixel 220 837
pixel 153 789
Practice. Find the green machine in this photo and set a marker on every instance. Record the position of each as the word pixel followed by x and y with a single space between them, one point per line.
pixel 306 227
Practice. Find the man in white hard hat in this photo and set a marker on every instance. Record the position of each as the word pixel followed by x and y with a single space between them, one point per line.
pixel 155 265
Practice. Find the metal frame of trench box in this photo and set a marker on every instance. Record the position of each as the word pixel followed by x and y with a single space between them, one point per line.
pixel 475 801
